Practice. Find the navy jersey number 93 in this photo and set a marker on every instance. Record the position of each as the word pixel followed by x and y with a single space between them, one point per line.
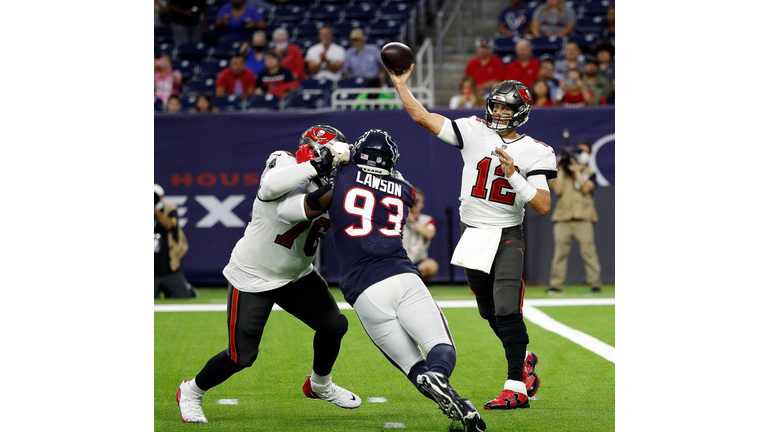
pixel 368 213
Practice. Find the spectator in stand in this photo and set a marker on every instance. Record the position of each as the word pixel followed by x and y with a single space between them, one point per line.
pixel 255 52
pixel 468 97
pixel 605 64
pixel 526 68
pixel 237 20
pixel 541 93
pixel 362 59
pixel 203 104
pixel 599 85
pixel 236 79
pixel 418 232
pixel 187 20
pixel 486 69
pixel 610 98
pixel 274 78
pixel 174 104
pixel 514 19
pixel 326 58
pixel 553 18
pixel 547 73
pixel 609 25
pixel 167 80
pixel 573 93
pixel 572 59
pixel 289 53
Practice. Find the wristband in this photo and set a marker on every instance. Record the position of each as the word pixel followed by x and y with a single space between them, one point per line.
pixel 521 187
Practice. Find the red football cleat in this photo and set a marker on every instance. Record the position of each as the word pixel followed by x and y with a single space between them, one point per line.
pixel 508 399
pixel 530 378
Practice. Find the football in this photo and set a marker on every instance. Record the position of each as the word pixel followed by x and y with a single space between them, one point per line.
pixel 397 57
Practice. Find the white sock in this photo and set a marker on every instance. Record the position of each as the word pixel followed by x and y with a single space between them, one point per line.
pixel 322 380
pixel 517 386
pixel 192 386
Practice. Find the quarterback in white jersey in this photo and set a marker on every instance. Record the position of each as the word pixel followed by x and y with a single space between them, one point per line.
pixel 503 171
pixel 272 264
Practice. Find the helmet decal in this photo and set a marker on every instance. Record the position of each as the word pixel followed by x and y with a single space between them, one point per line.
pixel 526 95
pixel 319 135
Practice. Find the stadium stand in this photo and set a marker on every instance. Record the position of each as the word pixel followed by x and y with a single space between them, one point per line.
pixel 263 102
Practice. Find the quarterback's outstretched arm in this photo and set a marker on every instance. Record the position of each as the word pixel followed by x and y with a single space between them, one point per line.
pixel 430 121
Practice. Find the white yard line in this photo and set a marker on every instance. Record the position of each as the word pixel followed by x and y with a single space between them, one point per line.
pixel 531 313
pixel 445 304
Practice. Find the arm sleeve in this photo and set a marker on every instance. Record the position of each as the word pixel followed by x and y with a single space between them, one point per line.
pixel 283 175
pixel 538 181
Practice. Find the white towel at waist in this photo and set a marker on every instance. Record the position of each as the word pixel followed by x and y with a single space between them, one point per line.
pixel 476 249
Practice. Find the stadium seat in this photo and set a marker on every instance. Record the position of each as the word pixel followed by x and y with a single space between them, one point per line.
pixel 159 105
pixel 165 48
pixel 305 44
pixel 293 15
pixel 326 13
pixel 307 30
pixel 226 49
pixel 546 45
pixel 594 8
pixel 358 82
pixel 313 86
pixel 163 34
pixel 212 68
pixel 188 102
pixel 194 51
pixel 396 11
pixel 504 46
pixel 302 101
pixel 205 85
pixel 590 24
pixel 344 42
pixel 304 3
pixel 343 29
pixel 228 103
pixel 392 29
pixel 584 41
pixel 188 68
pixel 262 102
pixel 361 12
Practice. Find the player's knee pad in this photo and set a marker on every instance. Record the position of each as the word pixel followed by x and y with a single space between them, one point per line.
pixel 247 360
pixel 512 329
pixel 486 308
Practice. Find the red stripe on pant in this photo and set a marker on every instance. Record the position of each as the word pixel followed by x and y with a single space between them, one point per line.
pixel 233 324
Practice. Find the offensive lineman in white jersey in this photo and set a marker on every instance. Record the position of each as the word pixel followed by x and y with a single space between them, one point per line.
pixel 502 172
pixel 272 264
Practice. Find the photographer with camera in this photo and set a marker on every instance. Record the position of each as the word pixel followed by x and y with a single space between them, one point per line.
pixel 170 247
pixel 574 215
pixel 573 93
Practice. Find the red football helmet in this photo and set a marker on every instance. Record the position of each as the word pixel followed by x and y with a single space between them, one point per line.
pixel 314 138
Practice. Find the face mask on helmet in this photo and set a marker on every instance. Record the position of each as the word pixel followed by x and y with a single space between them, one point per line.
pixel 512 94
pixel 315 138
pixel 376 153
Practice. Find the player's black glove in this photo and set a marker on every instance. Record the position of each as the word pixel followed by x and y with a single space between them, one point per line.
pixel 323 163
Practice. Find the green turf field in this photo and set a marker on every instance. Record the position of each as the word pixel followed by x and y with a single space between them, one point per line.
pixel 576 394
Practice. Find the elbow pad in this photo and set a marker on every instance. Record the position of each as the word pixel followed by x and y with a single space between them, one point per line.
pixel 313 198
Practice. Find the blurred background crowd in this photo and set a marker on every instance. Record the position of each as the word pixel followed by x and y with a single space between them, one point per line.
pixel 223 55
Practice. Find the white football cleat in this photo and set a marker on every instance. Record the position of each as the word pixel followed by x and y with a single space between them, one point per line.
pixel 332 393
pixel 190 404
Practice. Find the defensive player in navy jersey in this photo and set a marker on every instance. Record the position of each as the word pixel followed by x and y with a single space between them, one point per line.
pixel 368 205
pixel 503 173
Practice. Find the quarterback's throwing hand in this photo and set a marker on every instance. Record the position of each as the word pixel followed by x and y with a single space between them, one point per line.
pixel 507 163
pixel 402 78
